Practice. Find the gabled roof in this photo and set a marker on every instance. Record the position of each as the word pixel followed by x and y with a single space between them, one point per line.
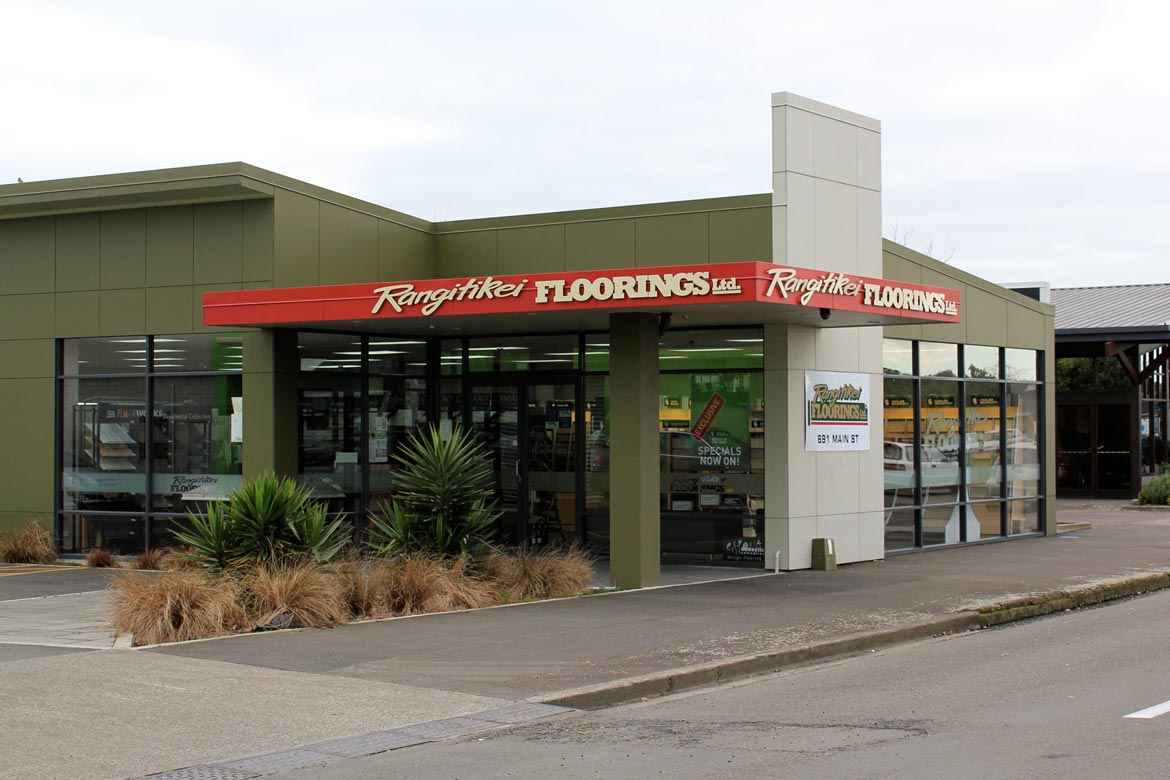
pixel 1131 311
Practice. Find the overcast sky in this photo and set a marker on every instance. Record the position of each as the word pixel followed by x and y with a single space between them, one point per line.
pixel 1021 140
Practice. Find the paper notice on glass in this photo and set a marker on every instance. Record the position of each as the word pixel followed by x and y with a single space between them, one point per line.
pixel 237 428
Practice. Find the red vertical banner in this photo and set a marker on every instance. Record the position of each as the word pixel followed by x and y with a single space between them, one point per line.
pixel 707 416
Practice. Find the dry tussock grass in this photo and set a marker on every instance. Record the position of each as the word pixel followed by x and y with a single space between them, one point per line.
pixel 526 574
pixel 304 591
pixel 420 582
pixel 101 559
pixel 365 587
pixel 151 560
pixel 32 545
pixel 175 606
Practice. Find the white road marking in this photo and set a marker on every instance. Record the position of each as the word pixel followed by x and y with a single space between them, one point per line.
pixel 1151 712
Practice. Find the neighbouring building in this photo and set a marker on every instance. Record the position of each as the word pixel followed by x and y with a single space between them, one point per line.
pixel 718 380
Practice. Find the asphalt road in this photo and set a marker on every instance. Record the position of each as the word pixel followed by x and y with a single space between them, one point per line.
pixel 1042 699
pixel 26 581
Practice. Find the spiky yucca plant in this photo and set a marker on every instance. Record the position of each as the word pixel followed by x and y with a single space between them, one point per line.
pixel 444 503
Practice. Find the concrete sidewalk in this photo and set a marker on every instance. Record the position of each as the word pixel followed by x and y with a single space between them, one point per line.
pixel 163 708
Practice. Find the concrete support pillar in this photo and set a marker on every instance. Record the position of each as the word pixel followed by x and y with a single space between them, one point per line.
pixel 271 366
pixel 826 214
pixel 634 517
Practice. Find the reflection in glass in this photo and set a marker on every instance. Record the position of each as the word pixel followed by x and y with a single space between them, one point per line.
pixel 982 438
pixel 982 362
pixel 1022 440
pixel 103 442
pixel 900 529
pixel 683 350
pixel 119 534
pixel 1019 365
pixel 118 355
pixel 1023 517
pixel 939 428
pixel 329 435
pixel 198 440
pixel 524 353
pixel 938 359
pixel 1074 447
pixel 713 482
pixel 897 356
pixel 898 443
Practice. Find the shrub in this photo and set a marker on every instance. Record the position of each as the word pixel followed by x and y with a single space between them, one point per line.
pixel 364 587
pixel 175 606
pixel 151 560
pixel 444 504
pixel 266 519
pixel 100 559
pixel 425 582
pixel 294 595
pixel 34 544
pixel 1156 491
pixel 527 574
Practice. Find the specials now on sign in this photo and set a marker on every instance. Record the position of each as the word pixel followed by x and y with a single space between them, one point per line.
pixel 837 411
pixel 663 288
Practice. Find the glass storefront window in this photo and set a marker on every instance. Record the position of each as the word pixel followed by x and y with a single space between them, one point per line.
pixel 897 356
pixel 1019 365
pixel 898 459
pixel 330 353
pixel 524 353
pixel 451 357
pixel 198 440
pixel 984 465
pixel 596 507
pixel 400 356
pixel 1022 440
pixel 712 481
pixel 103 441
pixel 121 355
pixel 939 428
pixel 715 350
pixel 397 408
pixel 199 352
pixel 982 362
pixel 938 359
pixel 597 352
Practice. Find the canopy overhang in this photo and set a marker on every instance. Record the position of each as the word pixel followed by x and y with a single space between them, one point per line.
pixel 713 294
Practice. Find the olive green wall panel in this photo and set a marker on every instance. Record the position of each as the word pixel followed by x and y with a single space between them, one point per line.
pixel 1025 328
pixel 257 240
pixel 404 253
pixel 27 255
pixel 468 254
pixel 986 317
pixel 901 269
pixel 76 314
pixel 349 246
pixel 78 237
pixel 27 459
pixel 678 239
pixel 27 316
pixel 28 358
pixel 742 234
pixel 296 240
pixel 122 312
pixel 123 249
pixel 14 522
pixel 169 239
pixel 219 235
pixel 532 249
pixel 169 310
pixel 593 246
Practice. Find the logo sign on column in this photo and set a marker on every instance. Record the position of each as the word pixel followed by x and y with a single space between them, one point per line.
pixel 707 416
pixel 837 416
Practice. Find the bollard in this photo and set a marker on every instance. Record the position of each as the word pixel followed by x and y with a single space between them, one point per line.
pixel 824 555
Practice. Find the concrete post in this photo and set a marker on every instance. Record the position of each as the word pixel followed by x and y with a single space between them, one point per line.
pixel 634 516
pixel 826 214
pixel 271 366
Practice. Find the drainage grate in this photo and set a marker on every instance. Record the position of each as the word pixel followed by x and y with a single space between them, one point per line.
pixel 368 744
pixel 278 762
pixel 448 727
pixel 202 773
pixel 519 712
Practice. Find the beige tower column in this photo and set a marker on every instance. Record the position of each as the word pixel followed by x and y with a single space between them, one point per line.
pixel 634 517
pixel 826 214
pixel 271 366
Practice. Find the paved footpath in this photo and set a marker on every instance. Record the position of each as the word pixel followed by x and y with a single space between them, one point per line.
pixel 127 713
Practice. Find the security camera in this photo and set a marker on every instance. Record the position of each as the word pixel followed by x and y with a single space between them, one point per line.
pixel 825 313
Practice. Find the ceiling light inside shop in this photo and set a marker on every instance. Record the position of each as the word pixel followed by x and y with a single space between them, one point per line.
pixel 394 343
pixel 746 341
pixel 705 349
pixel 493 349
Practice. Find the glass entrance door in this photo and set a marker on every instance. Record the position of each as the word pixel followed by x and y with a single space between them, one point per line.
pixel 529 430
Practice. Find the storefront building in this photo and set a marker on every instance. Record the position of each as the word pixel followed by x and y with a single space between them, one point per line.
pixel 695 381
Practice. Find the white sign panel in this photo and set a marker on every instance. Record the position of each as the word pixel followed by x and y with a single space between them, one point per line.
pixel 836 411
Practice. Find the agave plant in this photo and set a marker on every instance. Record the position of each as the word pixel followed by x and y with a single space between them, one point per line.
pixel 265 520
pixel 444 504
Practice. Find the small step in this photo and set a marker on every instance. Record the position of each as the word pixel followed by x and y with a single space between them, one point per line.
pixel 1065 528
